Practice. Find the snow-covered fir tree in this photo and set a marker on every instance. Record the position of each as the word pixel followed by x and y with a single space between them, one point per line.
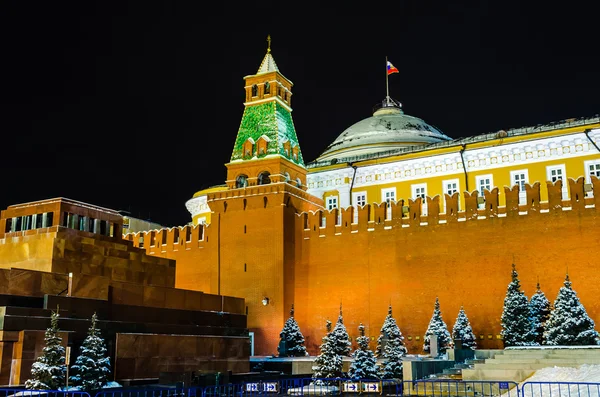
pixel 392 348
pixel 462 330
pixel 539 307
pixel 340 338
pixel 515 319
pixel 364 365
pixel 294 340
pixel 569 323
pixel 328 363
pixel 389 330
pixel 438 327
pixel 92 367
pixel 49 370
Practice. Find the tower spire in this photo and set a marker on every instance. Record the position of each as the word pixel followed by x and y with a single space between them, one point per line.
pixel 268 44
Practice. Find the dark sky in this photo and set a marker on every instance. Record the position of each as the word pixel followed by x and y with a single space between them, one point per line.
pixel 136 106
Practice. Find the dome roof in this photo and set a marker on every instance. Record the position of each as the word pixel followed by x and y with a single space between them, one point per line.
pixel 388 129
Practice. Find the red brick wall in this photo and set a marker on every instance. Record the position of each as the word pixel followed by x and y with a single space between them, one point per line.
pixel 459 258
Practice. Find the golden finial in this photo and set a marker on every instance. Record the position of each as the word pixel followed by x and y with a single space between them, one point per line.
pixel 268 43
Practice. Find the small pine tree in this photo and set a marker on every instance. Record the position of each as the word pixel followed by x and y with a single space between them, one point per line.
pixel 438 327
pixel 364 365
pixel 328 363
pixel 389 330
pixel 294 340
pixel 462 330
pixel 569 323
pixel 92 367
pixel 539 307
pixel 340 338
pixel 49 370
pixel 391 345
pixel 515 319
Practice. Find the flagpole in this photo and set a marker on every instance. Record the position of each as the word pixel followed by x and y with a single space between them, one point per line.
pixel 387 87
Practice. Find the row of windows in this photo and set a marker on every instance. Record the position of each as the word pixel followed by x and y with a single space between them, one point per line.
pixel 72 221
pixel 483 182
pixel 88 224
pixel 263 178
pixel 28 222
pixel 267 91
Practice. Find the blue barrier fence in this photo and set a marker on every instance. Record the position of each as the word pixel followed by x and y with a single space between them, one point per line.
pixel 346 387
pixel 41 393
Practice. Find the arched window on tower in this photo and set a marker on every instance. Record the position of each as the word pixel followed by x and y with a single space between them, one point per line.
pixel 241 181
pixel 286 176
pixel 264 178
pixel 267 88
pixel 254 90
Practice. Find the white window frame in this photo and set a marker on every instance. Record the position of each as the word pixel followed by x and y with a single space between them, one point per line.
pixel 355 196
pixel 384 193
pixel 414 194
pixel 478 180
pixel 513 181
pixel 332 202
pixel 563 177
pixel 588 173
pixel 445 189
pixel 387 190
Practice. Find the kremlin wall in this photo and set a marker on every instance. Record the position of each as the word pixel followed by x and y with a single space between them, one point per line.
pixel 261 248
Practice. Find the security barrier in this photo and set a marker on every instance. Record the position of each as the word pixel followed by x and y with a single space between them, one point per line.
pixel 342 387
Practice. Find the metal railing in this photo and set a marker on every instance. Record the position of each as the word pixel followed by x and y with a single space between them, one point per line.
pixel 343 386
pixel 10 392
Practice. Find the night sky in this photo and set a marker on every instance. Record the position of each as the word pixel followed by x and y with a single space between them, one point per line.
pixel 136 106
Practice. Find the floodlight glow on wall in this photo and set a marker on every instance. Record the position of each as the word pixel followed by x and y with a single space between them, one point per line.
pixel 265 301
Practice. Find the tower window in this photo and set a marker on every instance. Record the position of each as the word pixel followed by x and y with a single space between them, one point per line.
pixel 254 90
pixel 241 181
pixel 264 178
pixel 267 88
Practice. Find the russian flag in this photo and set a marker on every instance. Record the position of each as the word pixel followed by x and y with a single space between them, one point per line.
pixel 391 68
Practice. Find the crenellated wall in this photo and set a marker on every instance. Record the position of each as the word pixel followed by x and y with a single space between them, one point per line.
pixel 263 244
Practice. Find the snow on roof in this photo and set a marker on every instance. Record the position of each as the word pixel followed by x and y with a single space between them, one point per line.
pixel 268 64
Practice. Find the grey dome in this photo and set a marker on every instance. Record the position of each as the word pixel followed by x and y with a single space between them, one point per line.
pixel 388 129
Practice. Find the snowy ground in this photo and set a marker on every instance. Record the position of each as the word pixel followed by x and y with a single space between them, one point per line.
pixel 586 373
